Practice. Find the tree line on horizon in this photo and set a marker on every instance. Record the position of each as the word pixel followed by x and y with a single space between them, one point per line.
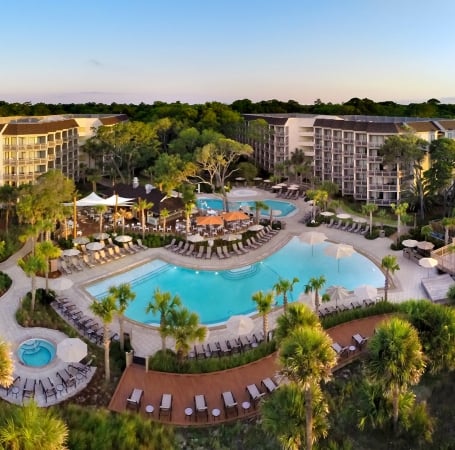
pixel 188 112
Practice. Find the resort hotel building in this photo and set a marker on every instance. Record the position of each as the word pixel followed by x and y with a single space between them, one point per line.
pixel 343 149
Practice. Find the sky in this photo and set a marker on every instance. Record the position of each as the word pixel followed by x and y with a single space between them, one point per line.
pixel 194 51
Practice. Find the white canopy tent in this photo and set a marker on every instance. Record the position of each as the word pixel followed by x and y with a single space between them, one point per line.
pixel 94 199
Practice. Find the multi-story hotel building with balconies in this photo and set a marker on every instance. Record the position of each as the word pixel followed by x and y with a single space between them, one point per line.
pixel 346 149
pixel 30 146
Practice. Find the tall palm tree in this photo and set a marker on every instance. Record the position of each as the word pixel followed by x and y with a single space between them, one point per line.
pixel 282 287
pixel 33 265
pixel 105 309
pixel 315 284
pixel 370 209
pixel 6 365
pixel 141 207
pixel 258 206
pixel 185 328
pixel 264 303
pixel 94 177
pixel 296 316
pixel 395 360
pixel 400 211
pixel 48 251
pixel 163 304
pixel 100 209
pixel 123 295
pixel 308 359
pixel 390 265
pixel 448 223
pixel 164 214
pixel 188 207
pixel 283 416
pixel 8 196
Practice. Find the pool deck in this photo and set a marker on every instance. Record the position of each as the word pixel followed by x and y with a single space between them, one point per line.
pixel 145 339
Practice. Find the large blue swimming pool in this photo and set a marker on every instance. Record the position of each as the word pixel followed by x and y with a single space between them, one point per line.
pixel 285 208
pixel 217 295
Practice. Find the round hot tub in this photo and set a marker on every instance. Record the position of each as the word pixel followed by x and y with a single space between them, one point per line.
pixel 36 352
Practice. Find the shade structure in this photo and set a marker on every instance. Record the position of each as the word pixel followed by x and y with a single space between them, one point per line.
pixel 94 246
pixel 240 179
pixel 81 240
pixel 337 293
pixel 292 188
pixel 71 350
pixel 256 227
pixel 277 186
pixel 344 216
pixel 240 325
pixel 327 213
pixel 235 216
pixel 100 236
pixel 232 237
pixel 410 243
pixel 209 220
pixel 123 238
pixel 359 220
pixel 195 238
pixel 312 237
pixel 365 291
pixel 257 179
pixel 339 251
pixel 425 245
pixel 71 252
pixel 428 263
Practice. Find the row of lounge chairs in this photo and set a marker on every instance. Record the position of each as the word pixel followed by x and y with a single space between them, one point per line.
pixel 290 194
pixel 226 347
pixel 330 310
pixel 63 380
pixel 352 227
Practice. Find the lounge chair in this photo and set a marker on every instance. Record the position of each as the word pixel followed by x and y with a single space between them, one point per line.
pixel 134 400
pixel 208 255
pixel 67 379
pixel 251 244
pixel 178 247
pixel 339 350
pixel 269 385
pixel 142 246
pixel 200 406
pixel 259 337
pixel 244 342
pixel 48 388
pixel 168 246
pixel 236 249
pixel 254 393
pixel 118 251
pixel 230 404
pixel 242 248
pixel 201 351
pixel 190 250
pixel 220 254
pixel 234 345
pixel 365 230
pixel 28 391
pixel 200 252
pixel 330 224
pixel 75 262
pixel 165 406
pixel 359 340
pixel 184 248
pixel 65 267
pixel 97 258
pixel 224 349
pixel 112 254
pixel 129 248
pixel 87 262
pixel 14 385
pixel 226 251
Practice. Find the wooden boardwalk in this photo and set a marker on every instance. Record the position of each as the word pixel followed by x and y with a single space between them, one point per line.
pixel 184 387
pixel 437 287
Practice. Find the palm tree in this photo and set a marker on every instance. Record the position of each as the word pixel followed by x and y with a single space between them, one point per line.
pixel 448 223
pixel 99 209
pixel 8 196
pixel 282 287
pixel 48 251
pixel 164 214
pixel 188 207
pixel 163 304
pixel 370 209
pixel 395 360
pixel 123 295
pixel 6 365
pixel 426 231
pixel 400 212
pixel 390 265
pixel 257 207
pixel 283 416
pixel 264 303
pixel 296 316
pixel 142 206
pixel 315 285
pixel 308 359
pixel 105 309
pixel 185 328
pixel 94 177
pixel 33 265
pixel 31 427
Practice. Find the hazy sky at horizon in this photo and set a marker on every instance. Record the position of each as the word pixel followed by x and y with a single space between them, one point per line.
pixel 202 50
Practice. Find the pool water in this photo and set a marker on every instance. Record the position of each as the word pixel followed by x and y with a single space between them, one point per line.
pixel 36 352
pixel 285 208
pixel 217 295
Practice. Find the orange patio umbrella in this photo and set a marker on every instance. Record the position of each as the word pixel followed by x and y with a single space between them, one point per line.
pixel 209 220
pixel 235 215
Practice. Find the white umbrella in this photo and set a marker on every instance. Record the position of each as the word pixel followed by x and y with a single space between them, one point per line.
pixel 100 236
pixel 359 220
pixel 410 243
pixel 339 251
pixel 81 240
pixel 71 252
pixel 277 186
pixel 256 227
pixel 95 246
pixel 337 293
pixel 71 350
pixel 195 238
pixel 428 263
pixel 240 325
pixel 365 291
pixel 343 216
pixel 312 237
pixel 60 283
pixel 123 238
pixel 425 245
pixel 327 213
pixel 258 179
